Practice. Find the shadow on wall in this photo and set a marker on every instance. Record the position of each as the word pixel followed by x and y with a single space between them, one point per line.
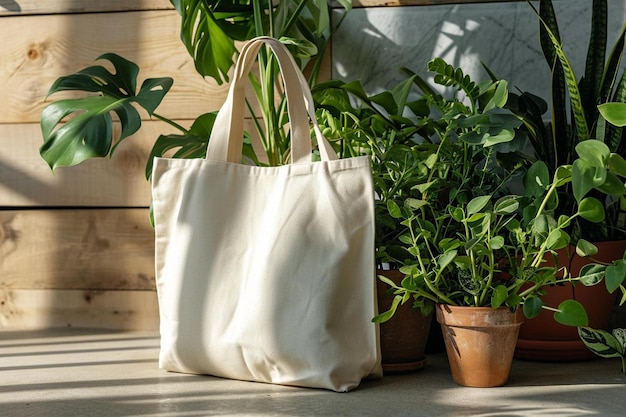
pixel 11 6
pixel 373 43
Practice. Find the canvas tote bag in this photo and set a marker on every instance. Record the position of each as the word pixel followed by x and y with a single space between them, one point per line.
pixel 267 273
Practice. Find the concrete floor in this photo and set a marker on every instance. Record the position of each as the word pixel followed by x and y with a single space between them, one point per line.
pixel 80 373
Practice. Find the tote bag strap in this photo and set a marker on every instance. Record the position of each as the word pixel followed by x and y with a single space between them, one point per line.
pixel 226 139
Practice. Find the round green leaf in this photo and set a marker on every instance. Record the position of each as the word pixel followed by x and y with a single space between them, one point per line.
pixel 591 209
pixel 615 275
pixel 537 179
pixel 585 248
pixel 532 307
pixel 499 296
pixel 394 209
pixel 571 313
pixel 594 152
pixel 614 113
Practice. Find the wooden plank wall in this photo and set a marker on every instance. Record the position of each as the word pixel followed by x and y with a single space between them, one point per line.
pixel 76 248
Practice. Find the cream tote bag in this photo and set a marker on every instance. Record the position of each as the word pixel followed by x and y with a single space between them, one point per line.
pixel 267 273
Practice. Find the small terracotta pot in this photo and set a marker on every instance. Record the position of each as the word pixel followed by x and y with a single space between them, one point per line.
pixel 403 338
pixel 480 342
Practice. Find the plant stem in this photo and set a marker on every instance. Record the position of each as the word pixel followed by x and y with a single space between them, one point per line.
pixel 170 122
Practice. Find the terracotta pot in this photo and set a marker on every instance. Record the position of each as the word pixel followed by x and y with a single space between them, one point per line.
pixel 480 342
pixel 542 338
pixel 403 338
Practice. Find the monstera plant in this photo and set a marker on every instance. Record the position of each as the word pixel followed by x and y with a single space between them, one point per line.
pixel 77 129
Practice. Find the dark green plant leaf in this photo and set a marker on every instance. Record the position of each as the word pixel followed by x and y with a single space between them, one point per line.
pixel 536 180
pixel 617 164
pixel 532 306
pixel 601 342
pixel 577 108
pixel 612 185
pixel 192 144
pixel 500 295
pixel 615 275
pixel 571 313
pixel 394 209
pixel 89 131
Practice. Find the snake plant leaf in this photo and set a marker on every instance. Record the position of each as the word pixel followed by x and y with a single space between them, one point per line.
pixel 548 28
pixel 594 66
pixel 601 342
pixel 88 132
pixel 615 275
pixel 571 313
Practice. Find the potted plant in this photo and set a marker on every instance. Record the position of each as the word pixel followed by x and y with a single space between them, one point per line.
pixel 77 129
pixel 402 137
pixel 401 134
pixel 574 118
pixel 472 245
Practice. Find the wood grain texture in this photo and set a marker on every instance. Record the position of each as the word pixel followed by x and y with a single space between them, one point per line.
pixel 50 46
pixel 22 7
pixel 26 180
pixel 37 309
pixel 98 249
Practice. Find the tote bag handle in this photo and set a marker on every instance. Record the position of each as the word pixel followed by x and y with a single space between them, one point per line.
pixel 226 139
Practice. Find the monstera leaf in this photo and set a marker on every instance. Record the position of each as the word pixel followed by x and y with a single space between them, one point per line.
pixel 210 28
pixel 88 132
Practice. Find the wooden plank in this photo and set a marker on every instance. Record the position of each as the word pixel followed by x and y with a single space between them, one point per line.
pixel 22 7
pixel 50 46
pixel 37 309
pixel 93 249
pixel 26 180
